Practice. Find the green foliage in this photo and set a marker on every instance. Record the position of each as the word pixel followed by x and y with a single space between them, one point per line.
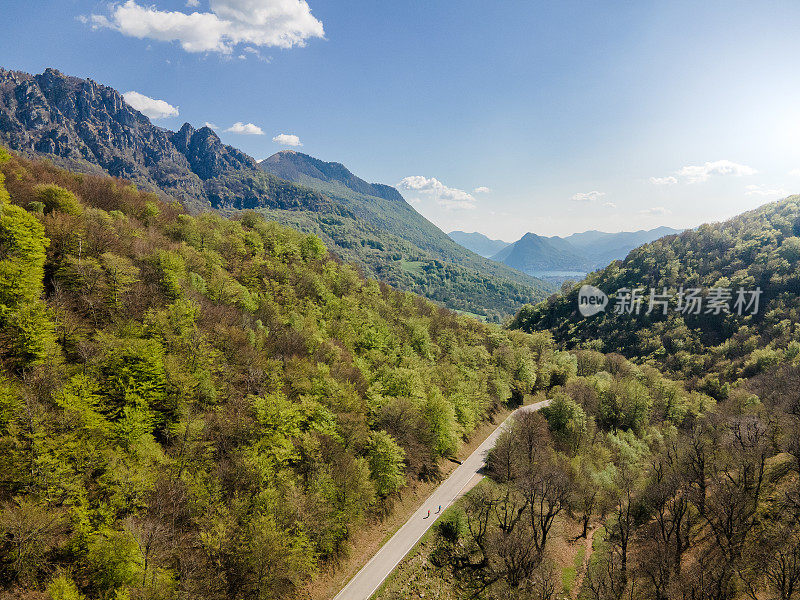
pixel 114 560
pixel 63 588
pixel 566 419
pixel 386 459
pixel 56 198
pixel 22 254
pixel 625 404
pixel 211 406
pixel 758 249
pixel 27 332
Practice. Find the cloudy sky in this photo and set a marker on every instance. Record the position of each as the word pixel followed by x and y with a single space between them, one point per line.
pixel 499 117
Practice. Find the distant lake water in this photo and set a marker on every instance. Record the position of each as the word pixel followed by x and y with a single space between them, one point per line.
pixel 559 274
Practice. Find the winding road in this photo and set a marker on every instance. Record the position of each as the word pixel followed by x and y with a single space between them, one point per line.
pixel 464 478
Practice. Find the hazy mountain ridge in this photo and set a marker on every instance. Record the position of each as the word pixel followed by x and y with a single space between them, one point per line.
pixel 580 252
pixel 478 243
pixel 292 166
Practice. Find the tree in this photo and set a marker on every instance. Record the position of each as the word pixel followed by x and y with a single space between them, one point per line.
pixel 27 333
pixel 567 421
pixel 385 463
pixel 56 198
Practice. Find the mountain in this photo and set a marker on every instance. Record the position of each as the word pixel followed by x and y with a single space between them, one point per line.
pixel 478 243
pixel 580 252
pixel 533 253
pixel 87 127
pixel 302 168
pixel 605 248
pixel 205 407
pixel 410 250
pixel 756 250
pixel 708 453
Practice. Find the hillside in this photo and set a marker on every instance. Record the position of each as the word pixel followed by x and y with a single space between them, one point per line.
pixel 209 407
pixel 88 127
pixel 478 243
pixel 631 485
pixel 759 249
pixel 580 252
pixel 409 250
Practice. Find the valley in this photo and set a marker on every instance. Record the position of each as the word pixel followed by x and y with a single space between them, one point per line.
pixel 242 359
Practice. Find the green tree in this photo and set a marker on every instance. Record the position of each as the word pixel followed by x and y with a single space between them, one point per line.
pixel 56 198
pixel 566 419
pixel 386 460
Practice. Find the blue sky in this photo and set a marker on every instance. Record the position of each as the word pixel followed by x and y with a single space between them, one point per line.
pixel 564 116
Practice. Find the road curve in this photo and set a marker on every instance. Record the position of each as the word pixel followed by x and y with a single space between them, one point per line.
pixel 460 481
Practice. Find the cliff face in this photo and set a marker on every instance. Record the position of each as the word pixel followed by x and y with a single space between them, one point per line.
pixel 81 121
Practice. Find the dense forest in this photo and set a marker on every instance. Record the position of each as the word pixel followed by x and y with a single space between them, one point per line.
pixel 207 407
pixel 682 487
pixel 756 250
pixel 210 406
pixel 680 496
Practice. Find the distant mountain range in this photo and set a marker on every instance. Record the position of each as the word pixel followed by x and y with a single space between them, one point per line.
pixel 478 243
pixel 87 127
pixel 544 256
pixel 538 253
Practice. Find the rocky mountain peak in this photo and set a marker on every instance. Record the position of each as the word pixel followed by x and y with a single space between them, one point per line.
pixel 80 121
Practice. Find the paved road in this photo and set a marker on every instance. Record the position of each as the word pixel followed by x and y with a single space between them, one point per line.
pixel 463 479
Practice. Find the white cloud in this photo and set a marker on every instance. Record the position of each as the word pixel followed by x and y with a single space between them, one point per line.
pixel 699 173
pixel 447 197
pixel 155 109
pixel 609 205
pixel 280 23
pixel 482 190
pixel 795 172
pixel 192 3
pixel 287 139
pixel 655 211
pixel 763 190
pixel 592 196
pixel 210 125
pixel 245 129
pixel 669 180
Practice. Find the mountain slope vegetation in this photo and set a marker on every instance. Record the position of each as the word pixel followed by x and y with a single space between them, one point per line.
pixel 88 127
pixel 688 488
pixel 533 253
pixel 208 407
pixel 757 250
pixel 413 252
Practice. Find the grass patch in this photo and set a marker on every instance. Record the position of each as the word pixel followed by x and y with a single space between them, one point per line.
pixel 580 556
pixel 568 575
pixel 412 266
pixel 481 318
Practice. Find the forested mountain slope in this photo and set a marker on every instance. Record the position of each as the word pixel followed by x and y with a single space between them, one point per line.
pixel 196 406
pixel 418 253
pixel 88 127
pixel 629 485
pixel 756 250
pixel 533 253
